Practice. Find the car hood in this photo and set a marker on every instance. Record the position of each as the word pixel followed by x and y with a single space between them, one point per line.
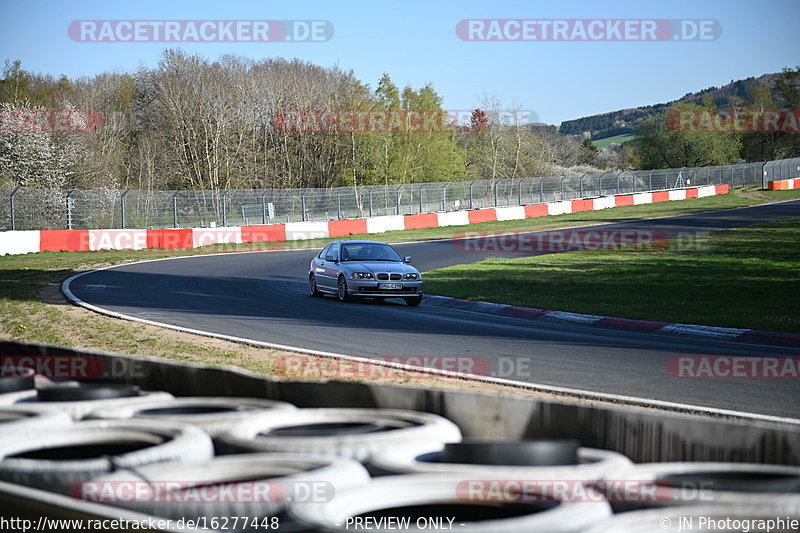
pixel 379 266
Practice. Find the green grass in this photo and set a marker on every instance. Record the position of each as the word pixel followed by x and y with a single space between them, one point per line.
pixel 606 142
pixel 745 278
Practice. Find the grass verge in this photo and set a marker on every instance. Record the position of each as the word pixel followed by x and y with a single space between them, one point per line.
pixel 743 278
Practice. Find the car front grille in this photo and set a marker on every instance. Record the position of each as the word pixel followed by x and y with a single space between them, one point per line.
pixel 393 277
pixel 375 290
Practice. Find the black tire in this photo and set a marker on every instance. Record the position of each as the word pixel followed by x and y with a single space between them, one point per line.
pixel 17 419
pixel 54 459
pixel 413 300
pixel 80 392
pixel 312 281
pixel 23 379
pixel 341 292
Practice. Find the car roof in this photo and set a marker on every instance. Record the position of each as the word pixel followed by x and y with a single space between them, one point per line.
pixel 360 242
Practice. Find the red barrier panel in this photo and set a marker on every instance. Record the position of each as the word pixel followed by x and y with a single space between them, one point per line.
pixel 264 233
pixel 691 193
pixel 722 189
pixel 76 240
pixel 536 210
pixel 424 220
pixel 582 205
pixel 625 199
pixel 482 215
pixel 342 228
pixel 661 196
pixel 169 238
pixel 797 183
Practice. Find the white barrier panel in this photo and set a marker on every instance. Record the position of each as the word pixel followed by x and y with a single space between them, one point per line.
pixel 19 242
pixel 206 236
pixel 559 208
pixel 117 239
pixel 455 218
pixel 708 190
pixel 386 223
pixel 297 231
pixel 604 202
pixel 510 213
pixel 679 194
pixel 642 198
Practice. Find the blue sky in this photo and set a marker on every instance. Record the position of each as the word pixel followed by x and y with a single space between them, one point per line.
pixel 415 42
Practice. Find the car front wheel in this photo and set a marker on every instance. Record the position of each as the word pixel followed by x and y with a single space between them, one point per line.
pixel 342 293
pixel 312 281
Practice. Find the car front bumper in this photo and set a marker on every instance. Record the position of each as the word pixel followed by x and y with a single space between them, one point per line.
pixel 369 288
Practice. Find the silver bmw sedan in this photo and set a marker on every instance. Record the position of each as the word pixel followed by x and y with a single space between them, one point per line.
pixel 364 269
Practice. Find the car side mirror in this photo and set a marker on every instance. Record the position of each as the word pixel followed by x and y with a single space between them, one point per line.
pixel 330 258
pixel 407 259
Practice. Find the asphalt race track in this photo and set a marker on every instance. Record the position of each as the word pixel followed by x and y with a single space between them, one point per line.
pixel 264 296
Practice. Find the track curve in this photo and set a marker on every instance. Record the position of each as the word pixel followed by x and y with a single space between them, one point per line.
pixel 262 296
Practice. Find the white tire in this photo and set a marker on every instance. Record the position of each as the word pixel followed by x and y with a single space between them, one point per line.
pixel 709 483
pixel 54 459
pixel 355 433
pixel 212 414
pixel 251 485
pixel 593 465
pixel 433 495
pixel 80 409
pixel 19 419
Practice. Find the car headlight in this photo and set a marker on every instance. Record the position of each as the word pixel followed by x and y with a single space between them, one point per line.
pixel 361 275
pixel 412 275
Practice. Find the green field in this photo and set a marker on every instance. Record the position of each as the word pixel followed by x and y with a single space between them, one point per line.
pixel 605 143
pixel 743 278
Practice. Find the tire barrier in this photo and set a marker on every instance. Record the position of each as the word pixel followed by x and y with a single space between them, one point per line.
pixel 355 433
pixel 212 414
pixel 514 460
pixel 421 502
pixel 732 484
pixel 53 459
pixel 251 485
pixel 731 519
pixel 18 419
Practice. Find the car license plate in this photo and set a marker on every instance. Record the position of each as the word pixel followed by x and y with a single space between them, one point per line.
pixel 390 285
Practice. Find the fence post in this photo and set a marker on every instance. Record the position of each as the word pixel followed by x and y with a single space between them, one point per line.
pixel 264 208
pixel 11 208
pixel 581 184
pixel 618 180
pixel 443 196
pixel 225 207
pixel 650 181
pixel 541 191
pixel 175 209
pixel 122 207
pixel 69 208
pixel 562 187
pixel 494 186
pixel 303 205
pixel 370 200
pixel 471 184
pixel 339 205
pixel 519 192
pixel 397 197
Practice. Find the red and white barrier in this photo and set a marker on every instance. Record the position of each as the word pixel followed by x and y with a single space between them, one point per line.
pixel 21 242
pixel 783 185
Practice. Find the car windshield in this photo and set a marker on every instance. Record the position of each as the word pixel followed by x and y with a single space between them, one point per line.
pixel 369 252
